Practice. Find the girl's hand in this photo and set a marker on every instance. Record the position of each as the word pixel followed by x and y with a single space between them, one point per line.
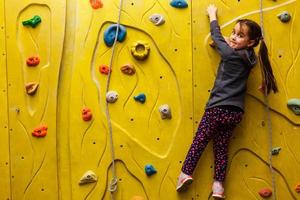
pixel 212 12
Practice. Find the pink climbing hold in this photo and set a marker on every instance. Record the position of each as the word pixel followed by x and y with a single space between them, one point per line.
pixel 265 192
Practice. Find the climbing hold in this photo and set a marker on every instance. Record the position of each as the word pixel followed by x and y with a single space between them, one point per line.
pixel 88 177
pixel 31 88
pixel 294 105
pixel 140 50
pixel 275 151
pixel 179 4
pixel 128 69
pixel 104 69
pixel 86 114
pixel 165 111
pixel 150 170
pixel 140 98
pixel 265 192
pixel 96 4
pixel 110 34
pixel 40 131
pixel 33 61
pixel 284 16
pixel 33 22
pixel 297 188
pixel 157 19
pixel 112 96
pixel 137 198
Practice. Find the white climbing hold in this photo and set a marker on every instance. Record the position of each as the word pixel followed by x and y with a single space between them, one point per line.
pixel 88 177
pixel 157 19
pixel 165 111
pixel 112 96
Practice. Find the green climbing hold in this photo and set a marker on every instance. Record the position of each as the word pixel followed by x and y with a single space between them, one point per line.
pixel 294 105
pixel 33 22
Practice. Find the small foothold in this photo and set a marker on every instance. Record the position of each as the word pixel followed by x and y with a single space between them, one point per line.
pixel 110 34
pixel 265 192
pixel 88 177
pixel 297 188
pixel 165 111
pixel 157 19
pixel 96 4
pixel 294 105
pixel 150 170
pixel 275 151
pixel 140 50
pixel 112 96
pixel 128 69
pixel 33 61
pixel 40 131
pixel 86 114
pixel 179 3
pixel 140 98
pixel 104 69
pixel 284 16
pixel 31 88
pixel 33 22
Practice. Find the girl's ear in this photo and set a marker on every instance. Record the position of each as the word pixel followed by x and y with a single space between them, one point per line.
pixel 251 43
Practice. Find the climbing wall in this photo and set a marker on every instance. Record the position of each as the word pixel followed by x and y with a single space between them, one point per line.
pixel 56 60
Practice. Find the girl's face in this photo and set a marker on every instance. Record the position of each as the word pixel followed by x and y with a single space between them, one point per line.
pixel 239 38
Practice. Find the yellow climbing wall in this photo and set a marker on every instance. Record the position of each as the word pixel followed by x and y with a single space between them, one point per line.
pixel 179 71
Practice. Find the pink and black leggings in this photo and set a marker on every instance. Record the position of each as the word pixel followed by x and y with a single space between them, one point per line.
pixel 217 124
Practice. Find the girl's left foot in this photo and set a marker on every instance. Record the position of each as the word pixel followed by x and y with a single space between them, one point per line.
pixel 218 190
pixel 184 181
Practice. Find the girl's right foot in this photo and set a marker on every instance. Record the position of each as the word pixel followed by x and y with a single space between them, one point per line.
pixel 184 181
pixel 218 190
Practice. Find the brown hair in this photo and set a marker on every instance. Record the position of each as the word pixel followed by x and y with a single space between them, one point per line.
pixel 255 33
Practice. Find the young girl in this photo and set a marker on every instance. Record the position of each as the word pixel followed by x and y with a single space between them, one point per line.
pixel 225 107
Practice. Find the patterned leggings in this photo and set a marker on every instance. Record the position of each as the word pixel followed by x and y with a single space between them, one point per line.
pixel 217 123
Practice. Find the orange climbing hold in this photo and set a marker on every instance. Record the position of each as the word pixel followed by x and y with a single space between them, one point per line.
pixel 86 114
pixel 96 4
pixel 40 131
pixel 104 69
pixel 265 192
pixel 33 61
pixel 297 188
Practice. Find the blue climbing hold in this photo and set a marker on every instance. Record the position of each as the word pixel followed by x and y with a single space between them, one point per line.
pixel 150 170
pixel 179 3
pixel 110 34
pixel 141 98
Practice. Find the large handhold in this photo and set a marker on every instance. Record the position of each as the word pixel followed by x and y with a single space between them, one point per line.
pixel 140 98
pixel 265 192
pixel 165 111
pixel 88 177
pixel 284 16
pixel 294 105
pixel 150 170
pixel 31 88
pixel 112 96
pixel 140 50
pixel 33 22
pixel 110 34
pixel 157 19
pixel 179 3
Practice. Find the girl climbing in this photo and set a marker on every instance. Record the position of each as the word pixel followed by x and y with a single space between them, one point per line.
pixel 225 107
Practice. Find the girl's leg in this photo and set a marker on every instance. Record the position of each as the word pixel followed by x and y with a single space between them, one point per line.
pixel 206 129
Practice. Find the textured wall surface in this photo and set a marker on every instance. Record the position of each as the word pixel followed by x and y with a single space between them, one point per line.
pixel 179 71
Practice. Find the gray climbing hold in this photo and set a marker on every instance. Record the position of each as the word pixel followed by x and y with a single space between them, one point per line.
pixel 150 170
pixel 284 16
pixel 157 19
pixel 294 105
pixel 275 150
pixel 165 111
pixel 88 177
pixel 112 96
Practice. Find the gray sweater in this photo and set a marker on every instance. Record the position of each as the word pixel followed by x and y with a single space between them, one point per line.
pixel 231 81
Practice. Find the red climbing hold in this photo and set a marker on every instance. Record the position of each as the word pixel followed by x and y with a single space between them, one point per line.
pixel 33 61
pixel 40 131
pixel 265 192
pixel 104 69
pixel 86 114
pixel 96 4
